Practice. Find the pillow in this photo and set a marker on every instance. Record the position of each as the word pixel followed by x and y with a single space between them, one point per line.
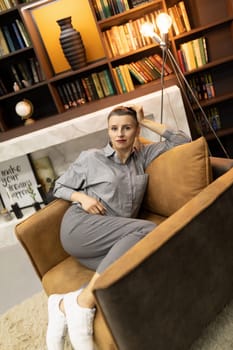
pixel 176 176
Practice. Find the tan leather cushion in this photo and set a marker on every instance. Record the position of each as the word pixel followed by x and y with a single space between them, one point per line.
pixel 176 176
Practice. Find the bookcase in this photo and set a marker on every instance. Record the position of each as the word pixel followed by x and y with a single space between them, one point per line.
pixel 129 67
pixel 211 80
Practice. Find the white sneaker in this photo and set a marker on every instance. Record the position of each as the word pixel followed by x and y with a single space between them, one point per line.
pixel 56 323
pixel 80 322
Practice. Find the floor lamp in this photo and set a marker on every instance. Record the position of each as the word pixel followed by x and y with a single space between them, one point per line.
pixel 164 22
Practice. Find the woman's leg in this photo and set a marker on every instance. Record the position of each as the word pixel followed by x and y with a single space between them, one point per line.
pixel 97 242
pixel 90 238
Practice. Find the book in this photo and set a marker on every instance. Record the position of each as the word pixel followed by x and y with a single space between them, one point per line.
pixel 174 24
pixel 80 92
pixel 92 87
pixel 136 74
pixel 62 95
pixel 110 43
pixel 148 70
pixel 121 80
pixel 4 49
pixel 203 50
pixel 105 83
pixel 179 19
pixel 115 36
pixel 182 61
pixel 74 93
pixel 140 71
pixel 98 10
pixel 34 70
pixel 187 49
pixel 108 81
pixel 156 73
pixel 17 78
pixel 126 77
pixel 116 78
pixel 182 7
pixel 97 84
pixel 105 8
pixel 129 81
pixel 123 39
pixel 71 94
pixel 114 7
pixel 197 52
pixel 160 61
pixel 26 77
pixel 18 35
pixel 8 38
pixel 23 32
pixel 86 85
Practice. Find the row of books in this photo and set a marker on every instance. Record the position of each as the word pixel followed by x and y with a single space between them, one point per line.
pixel 202 85
pixel 211 120
pixel 193 54
pixel 141 71
pixel 180 19
pixel 13 37
pixel 93 87
pixel 127 37
pixel 107 8
pixel 7 4
pixel 22 74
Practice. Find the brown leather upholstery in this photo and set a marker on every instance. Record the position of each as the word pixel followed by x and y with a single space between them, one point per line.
pixel 166 289
pixel 60 273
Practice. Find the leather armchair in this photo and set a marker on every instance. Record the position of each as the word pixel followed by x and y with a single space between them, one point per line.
pixel 164 290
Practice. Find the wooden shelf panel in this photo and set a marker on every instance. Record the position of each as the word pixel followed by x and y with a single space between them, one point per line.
pixel 131 14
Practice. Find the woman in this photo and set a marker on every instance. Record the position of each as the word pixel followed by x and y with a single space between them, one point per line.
pixel 106 187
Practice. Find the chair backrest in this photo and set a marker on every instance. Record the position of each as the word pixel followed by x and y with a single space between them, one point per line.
pixel 40 236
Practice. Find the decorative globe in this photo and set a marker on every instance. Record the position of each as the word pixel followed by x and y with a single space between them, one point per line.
pixel 24 109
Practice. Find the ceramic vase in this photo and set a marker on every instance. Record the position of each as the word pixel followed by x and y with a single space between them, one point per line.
pixel 72 44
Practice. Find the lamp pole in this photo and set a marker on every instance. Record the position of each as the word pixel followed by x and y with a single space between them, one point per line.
pixel 164 22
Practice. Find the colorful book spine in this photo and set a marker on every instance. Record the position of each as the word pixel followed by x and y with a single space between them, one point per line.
pixel 180 19
pixel 4 49
pixel 194 54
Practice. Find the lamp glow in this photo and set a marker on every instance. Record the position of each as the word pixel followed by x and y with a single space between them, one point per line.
pixel 164 22
pixel 147 29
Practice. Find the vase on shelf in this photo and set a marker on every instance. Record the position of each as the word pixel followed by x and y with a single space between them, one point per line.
pixel 72 44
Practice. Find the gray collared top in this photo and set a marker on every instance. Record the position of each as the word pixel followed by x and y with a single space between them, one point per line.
pixel 120 187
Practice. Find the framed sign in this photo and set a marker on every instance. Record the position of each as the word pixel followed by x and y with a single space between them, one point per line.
pixel 18 183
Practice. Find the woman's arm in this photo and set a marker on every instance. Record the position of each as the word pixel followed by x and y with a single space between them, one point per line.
pixel 156 127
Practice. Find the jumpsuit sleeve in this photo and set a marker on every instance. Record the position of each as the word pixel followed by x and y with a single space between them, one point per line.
pixel 74 179
pixel 171 137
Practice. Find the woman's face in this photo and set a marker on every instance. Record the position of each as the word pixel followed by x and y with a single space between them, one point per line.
pixel 122 131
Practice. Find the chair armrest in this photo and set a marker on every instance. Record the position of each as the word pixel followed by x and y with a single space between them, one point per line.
pixel 176 279
pixel 220 166
pixel 40 236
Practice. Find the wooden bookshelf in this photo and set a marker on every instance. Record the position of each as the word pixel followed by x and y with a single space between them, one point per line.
pixel 213 21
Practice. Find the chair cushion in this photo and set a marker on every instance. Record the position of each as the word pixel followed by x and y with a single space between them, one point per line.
pixel 66 276
pixel 176 176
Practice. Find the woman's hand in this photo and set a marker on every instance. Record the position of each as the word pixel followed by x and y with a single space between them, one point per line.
pixel 149 124
pixel 92 205
pixel 139 111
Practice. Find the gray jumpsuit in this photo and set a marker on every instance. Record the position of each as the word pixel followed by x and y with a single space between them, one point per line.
pixel 98 240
